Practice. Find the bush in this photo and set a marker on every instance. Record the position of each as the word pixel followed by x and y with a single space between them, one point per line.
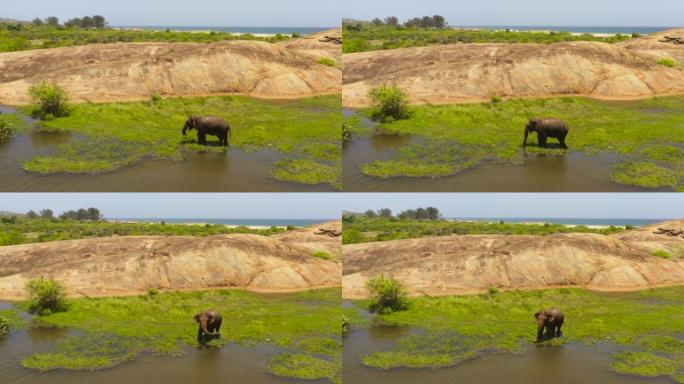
pixel 493 290
pixel 667 63
pixel 496 99
pixel 327 61
pixel 4 327
pixel 322 255
pixel 155 97
pixel 152 292
pixel 346 325
pixel 662 254
pixel 391 103
pixel 49 101
pixel 47 297
pixel 387 295
pixel 5 130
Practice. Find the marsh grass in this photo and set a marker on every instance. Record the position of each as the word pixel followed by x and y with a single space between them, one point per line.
pixel 117 329
pixel 649 324
pixel 363 229
pixel 118 134
pixel 648 135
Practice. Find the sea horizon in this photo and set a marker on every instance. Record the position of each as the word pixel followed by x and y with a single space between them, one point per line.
pixel 644 30
pixel 243 221
pixel 567 221
pixel 233 29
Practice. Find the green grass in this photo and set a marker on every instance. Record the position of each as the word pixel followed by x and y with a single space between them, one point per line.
pixel 662 254
pixel 648 135
pixel 110 136
pixel 361 229
pixel 371 38
pixel 34 37
pixel 668 63
pixel 26 230
pixel 16 123
pixel 648 324
pixel 322 255
pixel 327 62
pixel 305 326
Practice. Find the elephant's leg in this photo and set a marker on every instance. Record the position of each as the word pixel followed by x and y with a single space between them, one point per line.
pixel 200 339
pixel 562 142
pixel 202 138
pixel 540 333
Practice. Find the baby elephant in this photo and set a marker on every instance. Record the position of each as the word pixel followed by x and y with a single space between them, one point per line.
pixel 208 125
pixel 551 321
pixel 209 325
pixel 546 128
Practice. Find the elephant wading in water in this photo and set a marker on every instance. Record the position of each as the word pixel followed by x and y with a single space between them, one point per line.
pixel 209 325
pixel 546 128
pixel 208 125
pixel 549 323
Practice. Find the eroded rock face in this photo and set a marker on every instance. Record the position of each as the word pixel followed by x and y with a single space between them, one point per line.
pixel 460 73
pixel 318 45
pixel 135 71
pixel 472 264
pixel 131 265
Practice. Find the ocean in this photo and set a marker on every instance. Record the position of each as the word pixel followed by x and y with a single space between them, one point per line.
pixel 607 30
pixel 569 221
pixel 253 30
pixel 245 222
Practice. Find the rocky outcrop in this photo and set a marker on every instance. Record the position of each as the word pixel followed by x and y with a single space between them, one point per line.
pixel 135 71
pixel 318 45
pixel 471 264
pixel 461 73
pixel 116 266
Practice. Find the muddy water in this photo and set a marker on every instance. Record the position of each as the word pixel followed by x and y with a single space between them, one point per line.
pixel 235 171
pixel 232 364
pixel 574 172
pixel 569 364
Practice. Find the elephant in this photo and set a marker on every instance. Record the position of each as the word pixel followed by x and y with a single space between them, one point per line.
pixel 550 320
pixel 209 325
pixel 208 125
pixel 546 128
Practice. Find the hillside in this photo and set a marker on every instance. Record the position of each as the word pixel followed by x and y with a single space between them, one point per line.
pixel 459 73
pixel 115 266
pixel 474 263
pixel 135 71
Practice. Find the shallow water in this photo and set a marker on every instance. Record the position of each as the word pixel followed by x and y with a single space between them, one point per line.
pixel 230 364
pixel 235 171
pixel 571 364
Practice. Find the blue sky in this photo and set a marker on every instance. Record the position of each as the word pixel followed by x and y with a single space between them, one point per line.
pixel 285 13
pixel 527 12
pixel 330 205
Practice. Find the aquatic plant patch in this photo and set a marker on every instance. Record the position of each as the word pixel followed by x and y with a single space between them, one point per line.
pixel 647 135
pixel 649 325
pixel 306 131
pixel 113 330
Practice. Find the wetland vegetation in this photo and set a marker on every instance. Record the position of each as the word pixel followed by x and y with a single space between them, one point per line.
pixel 647 326
pixel 105 332
pixel 110 136
pixel 647 135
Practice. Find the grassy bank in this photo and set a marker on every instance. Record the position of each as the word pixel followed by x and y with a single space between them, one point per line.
pixel 23 230
pixel 306 326
pixel 648 135
pixel 109 136
pixel 371 38
pixel 38 37
pixel 361 229
pixel 649 325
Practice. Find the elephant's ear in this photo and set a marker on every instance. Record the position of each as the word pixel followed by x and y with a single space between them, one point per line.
pixel 536 315
pixel 196 317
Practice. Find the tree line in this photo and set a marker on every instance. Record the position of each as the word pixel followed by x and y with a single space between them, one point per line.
pixel 425 214
pixel 95 21
pixel 82 214
pixel 435 22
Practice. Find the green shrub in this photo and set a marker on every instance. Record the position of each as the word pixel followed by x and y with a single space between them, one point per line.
pixel 322 255
pixel 493 290
pixel 47 296
pixel 5 130
pixel 662 254
pixel 327 61
pixel 391 103
pixel 667 63
pixel 387 295
pixel 346 325
pixel 152 292
pixel 496 99
pixel 155 97
pixel 4 327
pixel 49 101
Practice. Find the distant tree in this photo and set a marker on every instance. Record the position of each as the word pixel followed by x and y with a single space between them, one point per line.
pixel 421 214
pixel 94 214
pixel 377 22
pixel 32 214
pixel 47 214
pixel 433 213
pixel 87 22
pixel 52 21
pixel 427 22
pixel 76 22
pixel 439 21
pixel 413 23
pixel 370 213
pixel 37 22
pixel 100 21
pixel 385 212
pixel 408 214
pixel 392 21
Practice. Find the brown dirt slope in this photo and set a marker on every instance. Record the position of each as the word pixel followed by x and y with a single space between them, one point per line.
pixel 317 45
pixel 131 265
pixel 135 71
pixel 460 73
pixel 472 264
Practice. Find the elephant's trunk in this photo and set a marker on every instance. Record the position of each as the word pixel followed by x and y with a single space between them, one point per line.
pixel 205 330
pixel 540 332
pixel 185 131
